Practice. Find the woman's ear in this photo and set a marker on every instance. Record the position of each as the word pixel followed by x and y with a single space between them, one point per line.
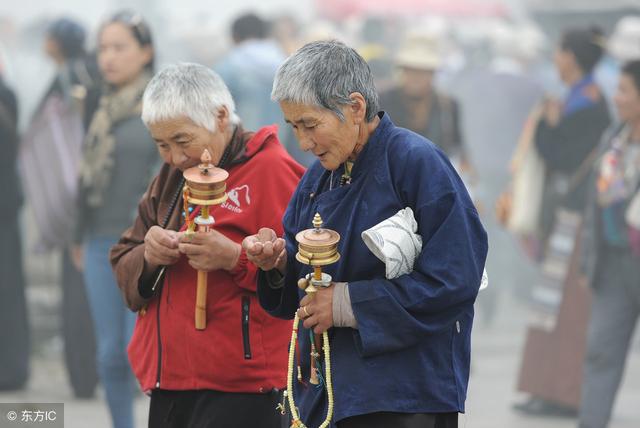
pixel 147 54
pixel 222 118
pixel 358 107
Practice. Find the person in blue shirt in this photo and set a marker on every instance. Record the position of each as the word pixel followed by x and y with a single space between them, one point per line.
pixel 400 347
pixel 248 70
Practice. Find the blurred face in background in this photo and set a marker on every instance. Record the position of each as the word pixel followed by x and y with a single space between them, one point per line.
pixel 627 99
pixel 566 65
pixel 120 56
pixel 415 82
pixel 52 49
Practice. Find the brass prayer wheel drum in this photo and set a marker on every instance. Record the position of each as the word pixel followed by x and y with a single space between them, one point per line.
pixel 209 193
pixel 207 183
pixel 317 246
pixel 206 190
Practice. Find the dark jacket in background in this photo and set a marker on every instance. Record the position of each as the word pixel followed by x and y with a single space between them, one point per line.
pixel 591 240
pixel 565 147
pixel 9 183
pixel 442 126
pixel 14 328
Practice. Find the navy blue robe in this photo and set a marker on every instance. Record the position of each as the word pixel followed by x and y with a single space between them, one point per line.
pixel 411 350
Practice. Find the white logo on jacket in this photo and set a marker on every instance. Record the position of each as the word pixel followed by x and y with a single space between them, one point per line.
pixel 233 203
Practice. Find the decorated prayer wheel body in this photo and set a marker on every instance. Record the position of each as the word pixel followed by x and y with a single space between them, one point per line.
pixel 318 246
pixel 208 190
pixel 207 184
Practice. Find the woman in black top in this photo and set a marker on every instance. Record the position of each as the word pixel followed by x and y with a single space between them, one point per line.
pixel 571 129
pixel 565 138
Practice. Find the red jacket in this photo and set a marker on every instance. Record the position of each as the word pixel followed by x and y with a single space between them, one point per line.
pixel 242 349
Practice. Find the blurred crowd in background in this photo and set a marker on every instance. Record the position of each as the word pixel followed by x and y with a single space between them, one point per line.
pixel 537 106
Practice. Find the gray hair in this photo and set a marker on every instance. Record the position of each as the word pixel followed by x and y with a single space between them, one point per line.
pixel 187 90
pixel 324 74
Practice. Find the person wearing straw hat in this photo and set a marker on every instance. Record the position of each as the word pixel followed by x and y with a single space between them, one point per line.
pixel 416 105
pixel 624 43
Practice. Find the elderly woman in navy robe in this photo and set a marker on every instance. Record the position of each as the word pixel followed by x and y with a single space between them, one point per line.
pixel 400 347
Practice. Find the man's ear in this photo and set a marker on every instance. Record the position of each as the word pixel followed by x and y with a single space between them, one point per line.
pixel 358 107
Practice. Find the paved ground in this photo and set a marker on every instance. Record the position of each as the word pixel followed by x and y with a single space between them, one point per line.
pixel 496 359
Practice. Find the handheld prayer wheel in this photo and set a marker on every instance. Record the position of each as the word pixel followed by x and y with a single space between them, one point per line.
pixel 205 185
pixel 317 247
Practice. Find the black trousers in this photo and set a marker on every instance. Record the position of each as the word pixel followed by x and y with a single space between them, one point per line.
pixel 77 331
pixel 14 325
pixel 401 420
pixel 214 409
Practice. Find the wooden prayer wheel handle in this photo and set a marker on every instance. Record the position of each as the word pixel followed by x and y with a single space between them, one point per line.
pixel 205 186
pixel 204 222
pixel 201 301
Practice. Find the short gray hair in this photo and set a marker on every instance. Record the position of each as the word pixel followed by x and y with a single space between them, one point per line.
pixel 190 90
pixel 324 74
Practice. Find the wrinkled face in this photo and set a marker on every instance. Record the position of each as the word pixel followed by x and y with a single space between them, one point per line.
pixel 627 99
pixel 120 57
pixel 415 82
pixel 321 132
pixel 181 142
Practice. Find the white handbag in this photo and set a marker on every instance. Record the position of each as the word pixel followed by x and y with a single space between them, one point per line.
pixel 528 181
